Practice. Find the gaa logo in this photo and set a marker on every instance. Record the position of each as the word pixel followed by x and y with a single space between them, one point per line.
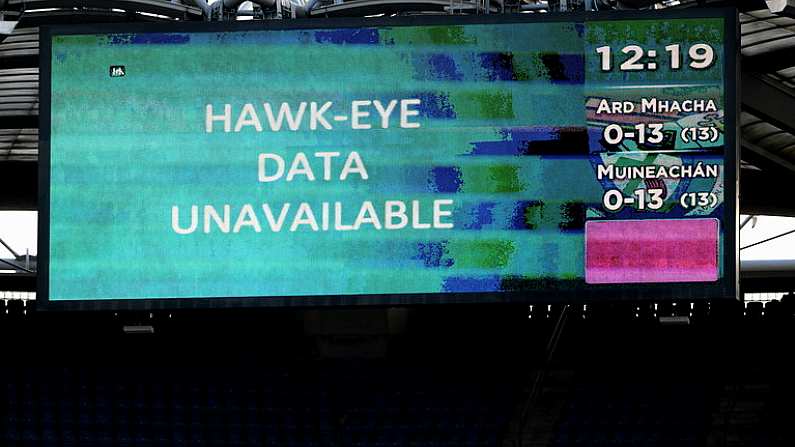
pixel 117 71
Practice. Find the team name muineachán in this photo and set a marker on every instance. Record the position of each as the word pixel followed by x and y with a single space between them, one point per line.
pixel 698 170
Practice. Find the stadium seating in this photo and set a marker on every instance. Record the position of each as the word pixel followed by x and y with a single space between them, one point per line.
pixel 370 404
pixel 618 377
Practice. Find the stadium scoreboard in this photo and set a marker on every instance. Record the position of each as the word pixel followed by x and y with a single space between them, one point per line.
pixel 389 161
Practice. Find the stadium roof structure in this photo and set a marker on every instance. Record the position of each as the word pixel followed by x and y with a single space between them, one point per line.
pixel 767 122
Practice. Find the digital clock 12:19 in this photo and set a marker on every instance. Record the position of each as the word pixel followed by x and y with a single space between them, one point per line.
pixel 700 56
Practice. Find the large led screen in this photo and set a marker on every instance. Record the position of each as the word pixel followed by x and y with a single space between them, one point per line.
pixel 429 160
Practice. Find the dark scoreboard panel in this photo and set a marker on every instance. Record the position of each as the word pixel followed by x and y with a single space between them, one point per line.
pixel 423 160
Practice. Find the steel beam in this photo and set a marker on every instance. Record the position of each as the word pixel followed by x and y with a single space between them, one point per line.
pixel 769 100
pixel 765 159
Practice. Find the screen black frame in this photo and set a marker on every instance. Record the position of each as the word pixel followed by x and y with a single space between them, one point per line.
pixel 725 288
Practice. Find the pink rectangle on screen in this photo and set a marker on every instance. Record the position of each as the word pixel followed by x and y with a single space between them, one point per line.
pixel 649 251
